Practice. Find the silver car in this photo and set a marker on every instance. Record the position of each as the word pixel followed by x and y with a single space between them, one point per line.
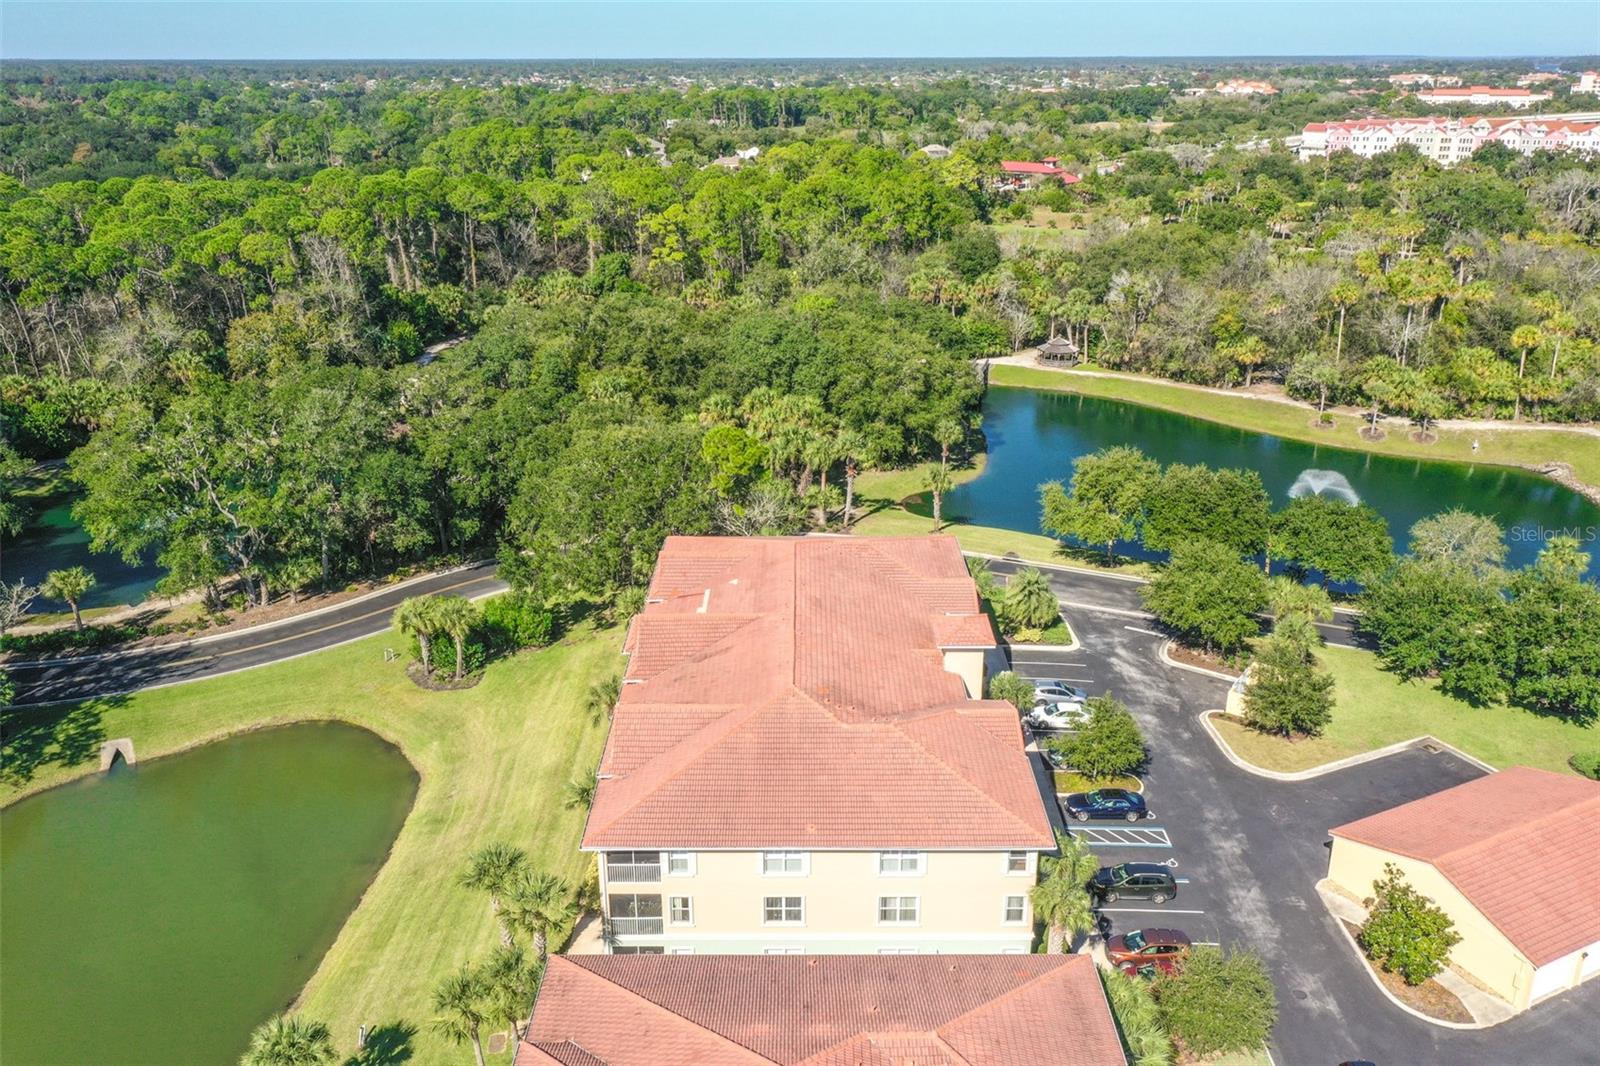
pixel 1056 690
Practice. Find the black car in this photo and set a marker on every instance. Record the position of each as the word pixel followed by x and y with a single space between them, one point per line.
pixel 1106 803
pixel 1134 880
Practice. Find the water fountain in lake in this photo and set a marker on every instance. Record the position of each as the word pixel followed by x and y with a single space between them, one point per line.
pixel 1323 483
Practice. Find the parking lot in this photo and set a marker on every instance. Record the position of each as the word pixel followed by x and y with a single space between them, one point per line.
pixel 1247 852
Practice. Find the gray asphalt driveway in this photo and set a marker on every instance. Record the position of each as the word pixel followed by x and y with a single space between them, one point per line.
pixel 1250 851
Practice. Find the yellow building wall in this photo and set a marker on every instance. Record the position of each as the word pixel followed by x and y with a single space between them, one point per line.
pixel 962 903
pixel 967 665
pixel 1483 952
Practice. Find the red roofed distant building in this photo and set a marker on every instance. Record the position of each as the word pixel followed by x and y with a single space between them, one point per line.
pixel 1020 174
pixel 1510 857
pixel 840 1010
pixel 1450 140
pixel 801 760
pixel 1483 96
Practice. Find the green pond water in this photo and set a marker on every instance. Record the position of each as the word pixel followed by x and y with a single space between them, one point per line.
pixel 1033 437
pixel 53 540
pixel 158 913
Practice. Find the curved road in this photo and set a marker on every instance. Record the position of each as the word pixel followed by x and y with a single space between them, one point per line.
pixel 115 672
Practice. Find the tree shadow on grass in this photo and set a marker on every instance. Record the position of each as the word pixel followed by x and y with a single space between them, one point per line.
pixel 64 734
pixel 387 1045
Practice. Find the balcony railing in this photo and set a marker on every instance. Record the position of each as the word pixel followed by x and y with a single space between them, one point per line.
pixel 633 871
pixel 636 926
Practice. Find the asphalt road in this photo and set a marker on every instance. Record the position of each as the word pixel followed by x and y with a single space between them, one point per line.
pixel 1249 850
pixel 113 672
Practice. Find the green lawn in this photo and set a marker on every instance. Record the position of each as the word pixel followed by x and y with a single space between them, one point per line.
pixel 1510 447
pixel 1072 781
pixel 492 759
pixel 1375 708
pixel 991 540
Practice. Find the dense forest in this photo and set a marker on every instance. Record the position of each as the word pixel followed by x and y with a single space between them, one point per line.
pixel 219 284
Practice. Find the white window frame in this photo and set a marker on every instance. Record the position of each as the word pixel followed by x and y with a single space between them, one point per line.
pixel 899 906
pixel 1005 910
pixel 680 951
pixel 900 856
pixel 1016 873
pixel 688 905
pixel 783 906
pixel 784 949
pixel 898 951
pixel 784 857
pixel 671 856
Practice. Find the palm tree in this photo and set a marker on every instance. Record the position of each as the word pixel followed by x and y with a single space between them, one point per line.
pixel 1344 296
pixel 71 585
pixel 512 983
pixel 821 451
pixel 857 453
pixel 1030 601
pixel 938 485
pixel 495 869
pixel 579 793
pixel 1061 898
pixel 539 905
pixel 285 1040
pixel 1296 608
pixel 457 616
pixel 601 698
pixel 1524 339
pixel 417 616
pixel 459 999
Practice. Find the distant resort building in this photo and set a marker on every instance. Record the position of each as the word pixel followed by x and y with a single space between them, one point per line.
pixel 1018 174
pixel 1243 87
pixel 935 151
pixel 1484 96
pixel 1448 140
pixel 1412 79
pixel 1541 77
pixel 1588 82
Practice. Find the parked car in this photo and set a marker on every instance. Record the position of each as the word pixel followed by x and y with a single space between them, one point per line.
pixel 1057 716
pixel 1147 945
pixel 1107 803
pixel 1134 880
pixel 1056 760
pixel 1058 689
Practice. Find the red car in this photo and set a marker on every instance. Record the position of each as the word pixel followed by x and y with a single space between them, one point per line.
pixel 1140 946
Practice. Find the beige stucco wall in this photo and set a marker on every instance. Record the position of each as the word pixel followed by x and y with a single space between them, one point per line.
pixel 962 903
pixel 1484 952
pixel 968 666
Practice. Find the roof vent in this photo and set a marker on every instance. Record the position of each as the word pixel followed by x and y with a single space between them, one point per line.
pixel 705 601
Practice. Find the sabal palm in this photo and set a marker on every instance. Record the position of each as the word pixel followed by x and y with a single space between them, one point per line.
pixel 460 1001
pixel 512 981
pixel 601 699
pixel 456 616
pixel 495 869
pixel 579 793
pixel 70 585
pixel 938 485
pixel 1061 899
pixel 538 905
pixel 417 616
pixel 1030 601
pixel 856 452
pixel 286 1040
pixel 1296 607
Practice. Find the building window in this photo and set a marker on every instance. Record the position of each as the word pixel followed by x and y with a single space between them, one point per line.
pixel 1016 908
pixel 680 911
pixel 898 910
pixel 680 864
pixel 642 950
pixel 899 863
pixel 783 951
pixel 634 914
pixel 785 863
pixel 783 910
pixel 1016 862
pixel 681 951
pixel 633 866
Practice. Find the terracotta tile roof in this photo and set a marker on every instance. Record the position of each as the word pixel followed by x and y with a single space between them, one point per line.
pixel 1480 833
pixel 1017 166
pixel 792 692
pixel 821 1010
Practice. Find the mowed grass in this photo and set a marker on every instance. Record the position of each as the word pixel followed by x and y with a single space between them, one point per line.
pixel 1507 447
pixel 1375 708
pixel 991 540
pixel 493 762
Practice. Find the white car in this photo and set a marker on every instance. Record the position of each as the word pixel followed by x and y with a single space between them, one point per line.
pixel 1066 714
pixel 1054 691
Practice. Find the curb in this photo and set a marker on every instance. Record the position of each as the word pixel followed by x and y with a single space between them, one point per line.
pixel 1170 661
pixel 1337 764
pixel 1073 646
pixel 1063 567
pixel 1372 975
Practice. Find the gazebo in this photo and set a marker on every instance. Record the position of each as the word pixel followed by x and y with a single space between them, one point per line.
pixel 1058 351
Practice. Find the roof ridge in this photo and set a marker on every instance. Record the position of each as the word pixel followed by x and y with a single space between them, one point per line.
pixel 664 1009
pixel 1052 973
pixel 1519 829
pixel 966 781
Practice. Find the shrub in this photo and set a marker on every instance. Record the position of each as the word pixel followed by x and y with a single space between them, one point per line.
pixel 1217 1003
pixel 1138 1020
pixel 1109 743
pixel 1289 693
pixel 1587 763
pixel 1405 931
pixel 517 620
pixel 1017 690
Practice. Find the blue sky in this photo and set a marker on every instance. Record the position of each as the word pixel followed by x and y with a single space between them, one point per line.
pixel 471 29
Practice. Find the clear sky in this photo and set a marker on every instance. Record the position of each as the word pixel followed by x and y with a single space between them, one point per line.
pixel 471 29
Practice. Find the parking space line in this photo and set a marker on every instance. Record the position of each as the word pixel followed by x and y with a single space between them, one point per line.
pixel 1146 910
pixel 1117 837
pixel 1146 632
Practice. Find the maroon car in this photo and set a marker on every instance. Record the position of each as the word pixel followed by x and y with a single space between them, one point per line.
pixel 1140 946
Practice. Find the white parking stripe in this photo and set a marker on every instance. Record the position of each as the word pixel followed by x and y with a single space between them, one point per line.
pixel 1146 632
pixel 1146 910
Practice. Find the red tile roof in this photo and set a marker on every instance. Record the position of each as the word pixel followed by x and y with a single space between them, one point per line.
pixel 1015 166
pixel 789 691
pixel 1480 834
pixel 821 1010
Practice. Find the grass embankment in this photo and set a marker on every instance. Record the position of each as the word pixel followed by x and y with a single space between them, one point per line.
pixel 893 504
pixel 1072 781
pixel 1375 708
pixel 1505 447
pixel 493 761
